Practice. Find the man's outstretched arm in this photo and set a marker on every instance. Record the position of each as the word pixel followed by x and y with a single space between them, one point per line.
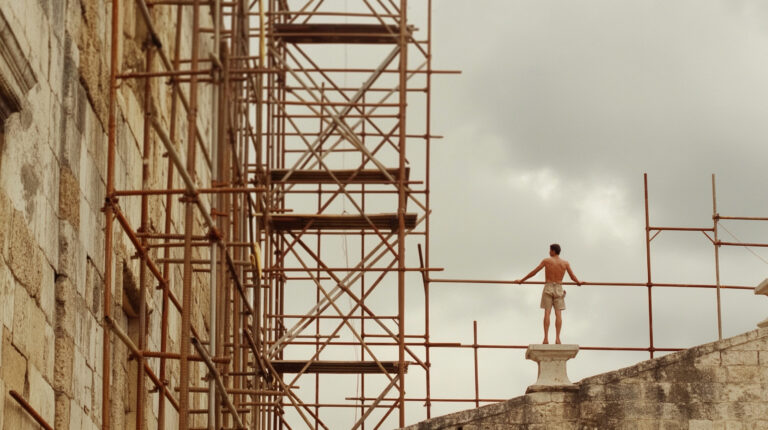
pixel 573 277
pixel 533 272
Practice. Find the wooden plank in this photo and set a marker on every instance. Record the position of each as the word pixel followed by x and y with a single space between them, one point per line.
pixel 338 33
pixel 324 177
pixel 336 367
pixel 283 222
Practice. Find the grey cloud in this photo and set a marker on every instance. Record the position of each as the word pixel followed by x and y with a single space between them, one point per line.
pixel 593 94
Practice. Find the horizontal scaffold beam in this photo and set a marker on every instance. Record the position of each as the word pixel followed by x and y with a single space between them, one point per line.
pixel 338 33
pixel 289 222
pixel 335 367
pixel 324 177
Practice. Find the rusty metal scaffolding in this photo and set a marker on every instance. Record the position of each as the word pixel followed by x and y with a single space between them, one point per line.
pixel 651 232
pixel 269 207
pixel 298 206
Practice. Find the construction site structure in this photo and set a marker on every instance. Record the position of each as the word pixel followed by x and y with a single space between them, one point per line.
pixel 304 156
pixel 242 216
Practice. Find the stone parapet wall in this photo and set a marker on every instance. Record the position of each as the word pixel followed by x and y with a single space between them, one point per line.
pixel 720 385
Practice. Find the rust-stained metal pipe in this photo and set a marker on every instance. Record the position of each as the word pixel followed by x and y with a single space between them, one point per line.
pixel 143 276
pixel 648 239
pixel 401 208
pixel 147 18
pixel 214 374
pixel 168 221
pixel 30 410
pixel 717 259
pixel 109 216
pixel 213 273
pixel 475 347
pixel 187 174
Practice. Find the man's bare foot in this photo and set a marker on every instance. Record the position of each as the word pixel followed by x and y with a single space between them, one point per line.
pixel 557 341
pixel 546 341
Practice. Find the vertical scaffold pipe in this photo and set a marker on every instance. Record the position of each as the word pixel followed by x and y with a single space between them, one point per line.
pixel 175 89
pixel 109 217
pixel 715 221
pixel 143 270
pixel 401 205
pixel 216 204
pixel 184 338
pixel 648 266
pixel 428 180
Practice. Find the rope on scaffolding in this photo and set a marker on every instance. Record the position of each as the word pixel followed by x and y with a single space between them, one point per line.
pixel 747 247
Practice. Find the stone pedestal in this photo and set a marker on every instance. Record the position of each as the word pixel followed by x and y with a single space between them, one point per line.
pixel 762 289
pixel 552 373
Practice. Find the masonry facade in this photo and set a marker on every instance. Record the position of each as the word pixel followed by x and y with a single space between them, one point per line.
pixel 720 385
pixel 54 92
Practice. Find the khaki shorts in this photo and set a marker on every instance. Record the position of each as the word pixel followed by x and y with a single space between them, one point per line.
pixel 553 295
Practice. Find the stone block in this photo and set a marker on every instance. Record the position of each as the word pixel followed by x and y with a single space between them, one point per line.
pixel 6 212
pixel 61 421
pixel 67 307
pixel 742 374
pixel 701 425
pixel 14 368
pixel 7 287
pixel 623 392
pixel 82 382
pixel 41 395
pixel 28 326
pixel 708 360
pixel 97 400
pixel 46 228
pixel 31 334
pixel 62 371
pixel 731 358
pixel 49 352
pixel 47 295
pixel 95 341
pixel 763 378
pixel 745 392
pixel 69 198
pixel 72 254
pixel 94 285
pixel 75 416
pixel 25 256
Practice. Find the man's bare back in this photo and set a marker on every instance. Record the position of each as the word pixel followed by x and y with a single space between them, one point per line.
pixel 555 268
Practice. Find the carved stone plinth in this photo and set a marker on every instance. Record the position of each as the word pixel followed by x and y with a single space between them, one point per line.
pixel 762 289
pixel 552 373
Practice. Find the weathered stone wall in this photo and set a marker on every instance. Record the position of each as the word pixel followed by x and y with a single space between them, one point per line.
pixel 721 385
pixel 52 189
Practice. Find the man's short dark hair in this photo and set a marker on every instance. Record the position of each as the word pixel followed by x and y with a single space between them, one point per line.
pixel 555 247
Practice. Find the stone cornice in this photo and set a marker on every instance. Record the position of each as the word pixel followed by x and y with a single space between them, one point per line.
pixel 16 75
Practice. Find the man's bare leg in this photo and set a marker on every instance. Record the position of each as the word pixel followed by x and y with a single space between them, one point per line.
pixel 558 324
pixel 546 325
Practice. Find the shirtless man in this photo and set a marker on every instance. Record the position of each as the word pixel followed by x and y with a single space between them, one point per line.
pixel 553 294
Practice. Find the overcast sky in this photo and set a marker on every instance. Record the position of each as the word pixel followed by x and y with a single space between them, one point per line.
pixel 561 107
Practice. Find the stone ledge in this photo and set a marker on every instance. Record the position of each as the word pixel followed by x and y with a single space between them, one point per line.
pixel 552 388
pixel 650 392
